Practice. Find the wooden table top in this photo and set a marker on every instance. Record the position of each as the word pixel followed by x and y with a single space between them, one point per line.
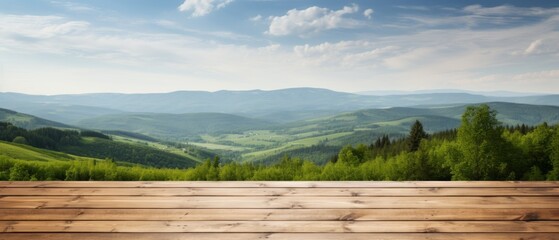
pixel 279 210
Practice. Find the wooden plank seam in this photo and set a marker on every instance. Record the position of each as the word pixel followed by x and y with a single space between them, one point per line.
pixel 279 210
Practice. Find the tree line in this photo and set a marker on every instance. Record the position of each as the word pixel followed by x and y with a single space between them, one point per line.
pixel 47 137
pixel 480 149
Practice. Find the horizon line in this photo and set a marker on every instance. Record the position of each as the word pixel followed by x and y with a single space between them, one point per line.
pixel 380 92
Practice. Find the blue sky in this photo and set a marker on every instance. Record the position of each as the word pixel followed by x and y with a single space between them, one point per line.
pixel 58 46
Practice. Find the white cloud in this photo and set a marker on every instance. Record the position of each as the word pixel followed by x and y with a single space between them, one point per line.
pixel 30 26
pixel 223 3
pixel 533 46
pixel 549 74
pixel 312 20
pixel 256 18
pixel 507 10
pixel 270 48
pixel 200 33
pixel 458 57
pixel 476 59
pixel 477 15
pixel 145 60
pixel 547 45
pixel 65 28
pixel 202 7
pixel 413 57
pixel 73 6
pixel 330 48
pixel 415 8
pixel 368 13
pixel 166 23
pixel 539 81
pixel 344 54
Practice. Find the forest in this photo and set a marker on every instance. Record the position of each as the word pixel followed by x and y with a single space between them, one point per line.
pixel 480 149
pixel 91 144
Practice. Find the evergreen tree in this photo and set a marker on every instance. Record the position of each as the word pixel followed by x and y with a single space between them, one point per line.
pixel 416 135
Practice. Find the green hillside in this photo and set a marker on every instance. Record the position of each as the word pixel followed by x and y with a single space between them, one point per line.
pixel 175 125
pixel 22 162
pixel 25 152
pixel 362 126
pixel 134 147
pixel 27 121
pixel 392 120
pixel 94 144
pixel 513 114
pixel 130 135
pixel 127 152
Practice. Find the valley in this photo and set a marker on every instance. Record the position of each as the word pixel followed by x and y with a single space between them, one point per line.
pixel 263 126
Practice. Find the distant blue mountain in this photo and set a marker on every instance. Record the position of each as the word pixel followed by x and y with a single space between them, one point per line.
pixel 278 105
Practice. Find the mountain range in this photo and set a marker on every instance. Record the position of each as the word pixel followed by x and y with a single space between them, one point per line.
pixel 285 105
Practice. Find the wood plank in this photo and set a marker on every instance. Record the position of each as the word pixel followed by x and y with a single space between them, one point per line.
pixel 340 192
pixel 281 226
pixel 282 236
pixel 279 210
pixel 282 214
pixel 286 184
pixel 274 202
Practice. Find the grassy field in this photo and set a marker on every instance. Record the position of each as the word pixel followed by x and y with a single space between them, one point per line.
pixel 157 145
pixel 28 153
pixel 215 146
pixel 256 145
pixel 27 121
pixel 14 151
pixel 335 131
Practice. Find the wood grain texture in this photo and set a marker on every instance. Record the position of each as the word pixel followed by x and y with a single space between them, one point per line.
pixel 276 184
pixel 282 236
pixel 279 210
pixel 296 192
pixel 274 202
pixel 281 214
pixel 281 226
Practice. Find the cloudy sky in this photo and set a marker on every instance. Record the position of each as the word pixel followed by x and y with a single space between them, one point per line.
pixel 59 46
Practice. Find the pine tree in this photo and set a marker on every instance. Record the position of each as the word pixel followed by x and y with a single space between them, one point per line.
pixel 416 135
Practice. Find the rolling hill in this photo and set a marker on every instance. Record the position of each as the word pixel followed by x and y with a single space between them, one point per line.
pixel 137 149
pixel 128 152
pixel 27 121
pixel 29 153
pixel 362 126
pixel 66 113
pixel 24 163
pixel 174 126
pixel 399 119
